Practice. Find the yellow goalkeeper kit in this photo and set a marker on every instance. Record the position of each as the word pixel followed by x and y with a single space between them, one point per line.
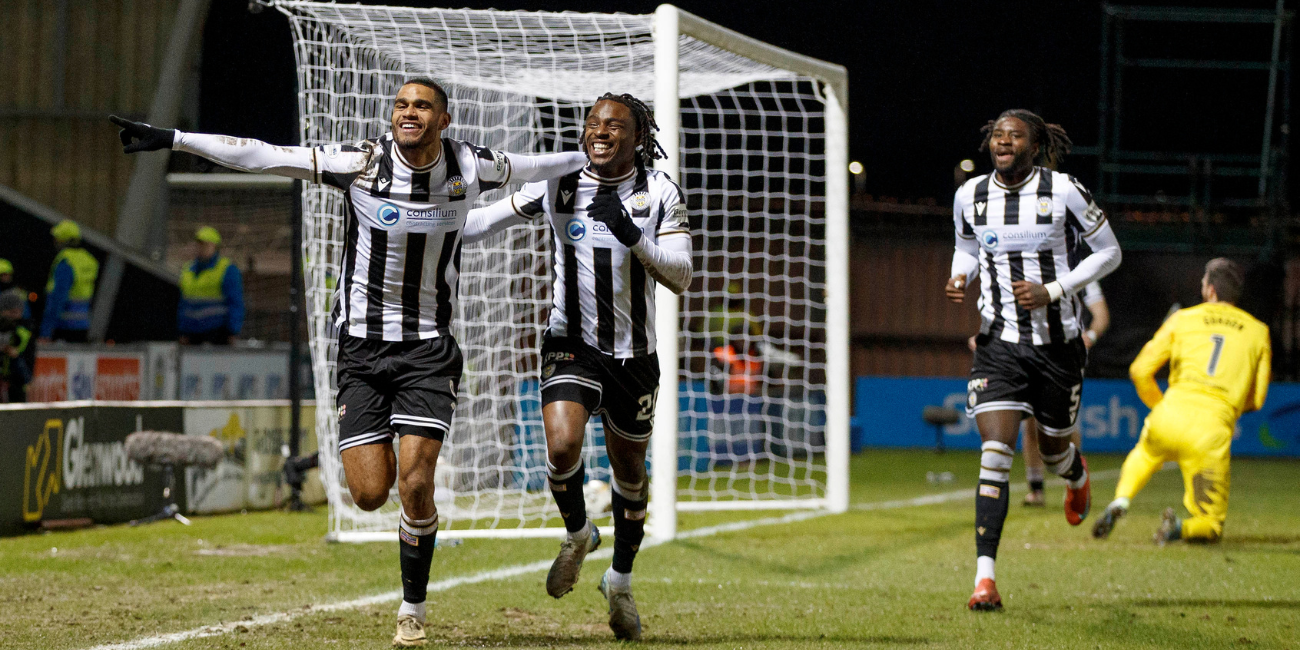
pixel 1219 362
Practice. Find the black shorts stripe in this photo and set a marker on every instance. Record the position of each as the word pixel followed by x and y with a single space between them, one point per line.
pixel 1011 211
pixel 603 265
pixel 995 296
pixel 1044 192
pixel 442 316
pixel 572 299
pixel 636 277
pixel 982 202
pixel 1047 266
pixel 1024 320
pixel 375 283
pixel 412 274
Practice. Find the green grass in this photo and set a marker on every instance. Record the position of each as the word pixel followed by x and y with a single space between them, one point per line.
pixel 880 578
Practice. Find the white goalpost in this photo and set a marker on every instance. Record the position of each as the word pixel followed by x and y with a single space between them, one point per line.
pixel 757 137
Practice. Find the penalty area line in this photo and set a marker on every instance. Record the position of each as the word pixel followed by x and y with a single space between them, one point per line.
pixel 506 573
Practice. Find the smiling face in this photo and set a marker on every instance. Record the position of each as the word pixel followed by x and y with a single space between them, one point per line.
pixel 419 117
pixel 1012 147
pixel 609 138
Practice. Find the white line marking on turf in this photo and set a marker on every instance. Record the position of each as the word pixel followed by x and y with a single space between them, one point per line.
pixel 524 569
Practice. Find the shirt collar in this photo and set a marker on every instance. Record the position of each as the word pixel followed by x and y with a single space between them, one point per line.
pixel 1032 175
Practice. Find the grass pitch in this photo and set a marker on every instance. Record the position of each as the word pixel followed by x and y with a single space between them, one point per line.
pixel 892 576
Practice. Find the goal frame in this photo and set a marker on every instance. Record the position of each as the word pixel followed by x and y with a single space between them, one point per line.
pixel 670 24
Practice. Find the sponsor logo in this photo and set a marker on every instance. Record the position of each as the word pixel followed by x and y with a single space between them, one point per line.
pixel 500 159
pixel 990 239
pixel 343 411
pixel 548 370
pixel 977 384
pixel 456 186
pixel 433 216
pixel 640 200
pixel 1044 206
pixel 407 537
pixel 1093 214
pixel 678 213
pixel 388 215
pixel 332 150
pixel 559 356
pixel 1025 235
pixel 575 229
pixel 990 491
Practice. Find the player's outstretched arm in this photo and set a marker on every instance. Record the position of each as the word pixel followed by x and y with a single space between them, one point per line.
pixel 542 167
pixel 1106 255
pixel 522 207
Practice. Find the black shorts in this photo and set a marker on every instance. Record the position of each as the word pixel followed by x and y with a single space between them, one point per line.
pixel 624 391
pixel 387 387
pixel 1040 380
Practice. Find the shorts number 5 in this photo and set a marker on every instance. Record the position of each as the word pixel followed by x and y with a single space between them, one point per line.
pixel 647 403
pixel 1074 402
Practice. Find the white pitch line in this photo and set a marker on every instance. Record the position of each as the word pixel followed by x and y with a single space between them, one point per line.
pixel 524 569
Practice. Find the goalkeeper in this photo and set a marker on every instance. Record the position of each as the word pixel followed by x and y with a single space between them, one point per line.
pixel 1219 360
pixel 407 195
pixel 619 230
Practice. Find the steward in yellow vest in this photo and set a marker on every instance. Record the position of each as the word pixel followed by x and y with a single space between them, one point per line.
pixel 70 288
pixel 17 350
pixel 212 295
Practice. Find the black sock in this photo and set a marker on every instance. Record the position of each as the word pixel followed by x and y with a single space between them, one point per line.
pixel 1036 486
pixel 1076 468
pixel 991 502
pixel 569 498
pixel 416 542
pixel 629 530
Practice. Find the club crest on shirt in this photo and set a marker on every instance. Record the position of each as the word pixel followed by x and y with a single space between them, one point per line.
pixel 1044 206
pixel 990 239
pixel 575 229
pixel 640 200
pixel 547 371
pixel 388 214
pixel 456 186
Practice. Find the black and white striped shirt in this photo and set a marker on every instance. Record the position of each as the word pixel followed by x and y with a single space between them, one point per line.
pixel 603 292
pixel 1028 232
pixel 401 260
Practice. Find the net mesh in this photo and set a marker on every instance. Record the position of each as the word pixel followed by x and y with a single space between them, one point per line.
pixel 753 172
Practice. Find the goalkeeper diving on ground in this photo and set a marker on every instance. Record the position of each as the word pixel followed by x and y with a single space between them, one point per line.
pixel 407 194
pixel 1219 360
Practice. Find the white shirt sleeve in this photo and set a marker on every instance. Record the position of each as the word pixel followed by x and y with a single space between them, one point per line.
pixel 501 167
pixel 668 262
pixel 965 255
pixel 246 154
pixel 1091 220
pixel 522 207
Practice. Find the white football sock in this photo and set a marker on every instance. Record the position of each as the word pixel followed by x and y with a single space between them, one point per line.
pixel 413 609
pixel 1119 502
pixel 983 569
pixel 619 581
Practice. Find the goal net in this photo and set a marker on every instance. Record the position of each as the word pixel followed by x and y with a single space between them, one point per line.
pixel 758 148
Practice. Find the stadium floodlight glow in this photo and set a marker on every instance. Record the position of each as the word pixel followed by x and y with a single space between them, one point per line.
pixel 758 138
pixel 855 168
pixel 967 165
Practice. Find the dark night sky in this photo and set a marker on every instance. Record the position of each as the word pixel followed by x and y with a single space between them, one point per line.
pixel 924 75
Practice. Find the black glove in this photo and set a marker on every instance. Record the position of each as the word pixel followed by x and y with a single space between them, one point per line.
pixel 148 138
pixel 609 210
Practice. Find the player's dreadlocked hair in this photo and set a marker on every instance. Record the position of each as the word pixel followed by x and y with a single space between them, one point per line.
pixel 650 150
pixel 1052 141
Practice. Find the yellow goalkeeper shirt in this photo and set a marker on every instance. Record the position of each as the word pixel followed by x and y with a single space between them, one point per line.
pixel 1215 351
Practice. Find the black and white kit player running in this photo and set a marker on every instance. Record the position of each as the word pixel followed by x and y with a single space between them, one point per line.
pixel 407 194
pixel 1017 227
pixel 620 229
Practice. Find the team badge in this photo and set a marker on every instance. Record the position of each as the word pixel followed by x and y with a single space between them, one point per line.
pixel 548 371
pixel 388 214
pixel 640 200
pixel 1044 206
pixel 971 399
pixel 456 186
pixel 343 410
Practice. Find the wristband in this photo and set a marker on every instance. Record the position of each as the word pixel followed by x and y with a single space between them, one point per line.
pixel 1054 291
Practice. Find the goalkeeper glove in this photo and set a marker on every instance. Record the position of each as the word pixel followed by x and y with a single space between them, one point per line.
pixel 149 138
pixel 609 210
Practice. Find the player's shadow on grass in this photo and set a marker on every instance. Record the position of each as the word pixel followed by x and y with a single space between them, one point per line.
pixel 1256 603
